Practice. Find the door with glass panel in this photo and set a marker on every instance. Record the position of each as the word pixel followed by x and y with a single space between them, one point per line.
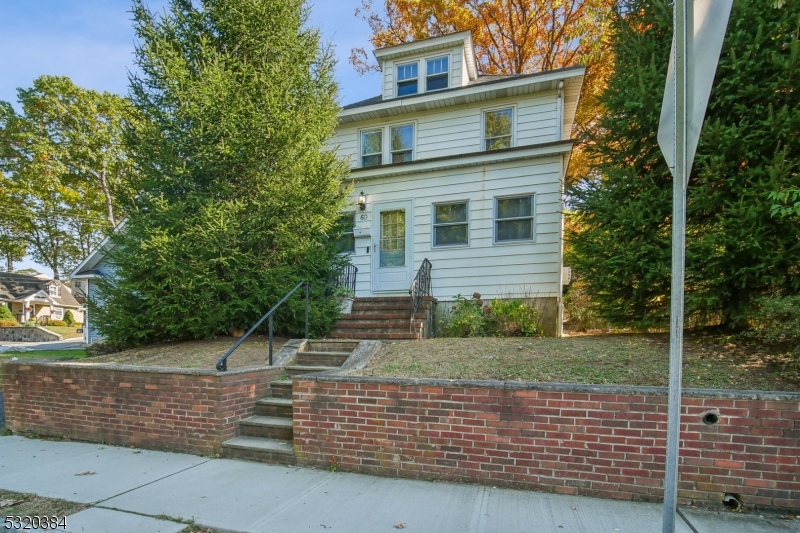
pixel 392 246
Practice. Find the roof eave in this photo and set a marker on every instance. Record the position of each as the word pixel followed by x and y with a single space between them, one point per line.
pixel 397 106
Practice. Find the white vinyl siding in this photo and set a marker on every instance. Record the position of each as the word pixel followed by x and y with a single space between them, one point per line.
pixel 532 266
pixel 459 130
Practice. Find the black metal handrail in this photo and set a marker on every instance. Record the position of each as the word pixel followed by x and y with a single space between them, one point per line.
pixel 420 287
pixel 347 278
pixel 222 364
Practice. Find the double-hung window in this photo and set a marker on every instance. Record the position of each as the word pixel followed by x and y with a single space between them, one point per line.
pixel 57 314
pixel 407 79
pixel 347 242
pixel 513 220
pixel 498 127
pixel 371 148
pixel 450 224
pixel 437 74
pixel 402 143
pixel 54 290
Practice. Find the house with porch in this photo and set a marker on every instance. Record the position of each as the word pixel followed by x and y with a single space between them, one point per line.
pixel 37 298
pixel 460 169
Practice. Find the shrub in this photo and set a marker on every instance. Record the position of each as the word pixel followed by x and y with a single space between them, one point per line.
pixel 777 320
pixel 466 318
pixel 5 323
pixel 5 313
pixel 69 318
pixel 57 323
pixel 512 318
pixel 578 309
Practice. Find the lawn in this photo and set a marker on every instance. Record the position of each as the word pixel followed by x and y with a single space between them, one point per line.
pixel 43 354
pixel 195 354
pixel 710 361
pixel 65 331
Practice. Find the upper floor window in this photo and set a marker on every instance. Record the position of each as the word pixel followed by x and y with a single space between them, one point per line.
pixel 398 148
pixel 498 127
pixel 347 242
pixel 371 148
pixel 54 290
pixel 407 79
pixel 402 143
pixel 437 74
pixel 513 220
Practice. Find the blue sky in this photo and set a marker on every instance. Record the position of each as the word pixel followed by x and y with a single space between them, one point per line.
pixel 91 41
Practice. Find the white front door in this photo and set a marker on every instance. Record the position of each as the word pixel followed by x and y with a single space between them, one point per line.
pixel 392 246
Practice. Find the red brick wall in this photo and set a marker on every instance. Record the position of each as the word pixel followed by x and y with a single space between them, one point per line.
pixel 597 441
pixel 159 408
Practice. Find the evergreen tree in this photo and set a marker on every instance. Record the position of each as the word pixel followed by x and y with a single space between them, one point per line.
pixel 236 199
pixel 749 148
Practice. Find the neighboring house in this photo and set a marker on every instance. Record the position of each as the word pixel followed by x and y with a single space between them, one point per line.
pixel 462 169
pixel 84 278
pixel 37 297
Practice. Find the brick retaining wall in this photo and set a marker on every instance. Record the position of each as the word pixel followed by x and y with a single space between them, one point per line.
pixel 592 440
pixel 160 408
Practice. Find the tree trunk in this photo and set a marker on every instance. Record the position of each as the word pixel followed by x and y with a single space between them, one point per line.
pixel 107 194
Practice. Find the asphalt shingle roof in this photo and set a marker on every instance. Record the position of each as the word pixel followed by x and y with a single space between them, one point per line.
pixel 14 287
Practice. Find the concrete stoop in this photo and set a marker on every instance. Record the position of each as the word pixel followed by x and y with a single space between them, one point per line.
pixel 267 435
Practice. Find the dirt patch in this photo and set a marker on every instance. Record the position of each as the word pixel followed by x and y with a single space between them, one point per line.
pixel 18 504
pixel 254 351
pixel 710 361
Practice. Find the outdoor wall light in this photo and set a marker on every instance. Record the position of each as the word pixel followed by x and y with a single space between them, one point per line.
pixel 362 201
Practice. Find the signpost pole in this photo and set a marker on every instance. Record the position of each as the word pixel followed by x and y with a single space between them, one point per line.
pixel 683 40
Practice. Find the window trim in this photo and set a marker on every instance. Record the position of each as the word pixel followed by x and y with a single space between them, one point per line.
pixel 448 73
pixel 55 315
pixel 386 142
pixel 532 218
pixel 486 110
pixel 353 232
pixel 57 288
pixel 398 81
pixel 362 155
pixel 434 225
pixel 413 141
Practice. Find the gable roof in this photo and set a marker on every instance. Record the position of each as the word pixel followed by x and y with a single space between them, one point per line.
pixel 15 287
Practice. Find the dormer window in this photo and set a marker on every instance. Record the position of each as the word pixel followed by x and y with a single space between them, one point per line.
pixel 437 74
pixel 407 79
pixel 54 290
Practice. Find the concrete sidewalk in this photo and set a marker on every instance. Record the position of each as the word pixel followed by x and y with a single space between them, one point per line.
pixel 66 344
pixel 130 488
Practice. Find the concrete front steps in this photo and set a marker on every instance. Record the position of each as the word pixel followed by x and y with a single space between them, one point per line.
pixel 386 318
pixel 267 435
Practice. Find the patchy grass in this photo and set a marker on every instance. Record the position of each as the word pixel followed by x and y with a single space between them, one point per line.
pixel 196 354
pixel 33 505
pixel 710 361
pixel 55 355
pixel 65 331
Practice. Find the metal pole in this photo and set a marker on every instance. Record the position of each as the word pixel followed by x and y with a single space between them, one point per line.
pixel 270 340
pixel 684 33
pixel 308 286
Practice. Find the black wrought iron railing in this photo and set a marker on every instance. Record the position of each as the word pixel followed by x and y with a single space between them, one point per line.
pixel 222 364
pixel 347 278
pixel 420 287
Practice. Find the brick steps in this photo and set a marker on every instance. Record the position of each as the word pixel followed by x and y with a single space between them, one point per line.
pixel 385 317
pixel 267 435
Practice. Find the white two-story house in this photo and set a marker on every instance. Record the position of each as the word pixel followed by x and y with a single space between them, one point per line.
pixel 464 170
